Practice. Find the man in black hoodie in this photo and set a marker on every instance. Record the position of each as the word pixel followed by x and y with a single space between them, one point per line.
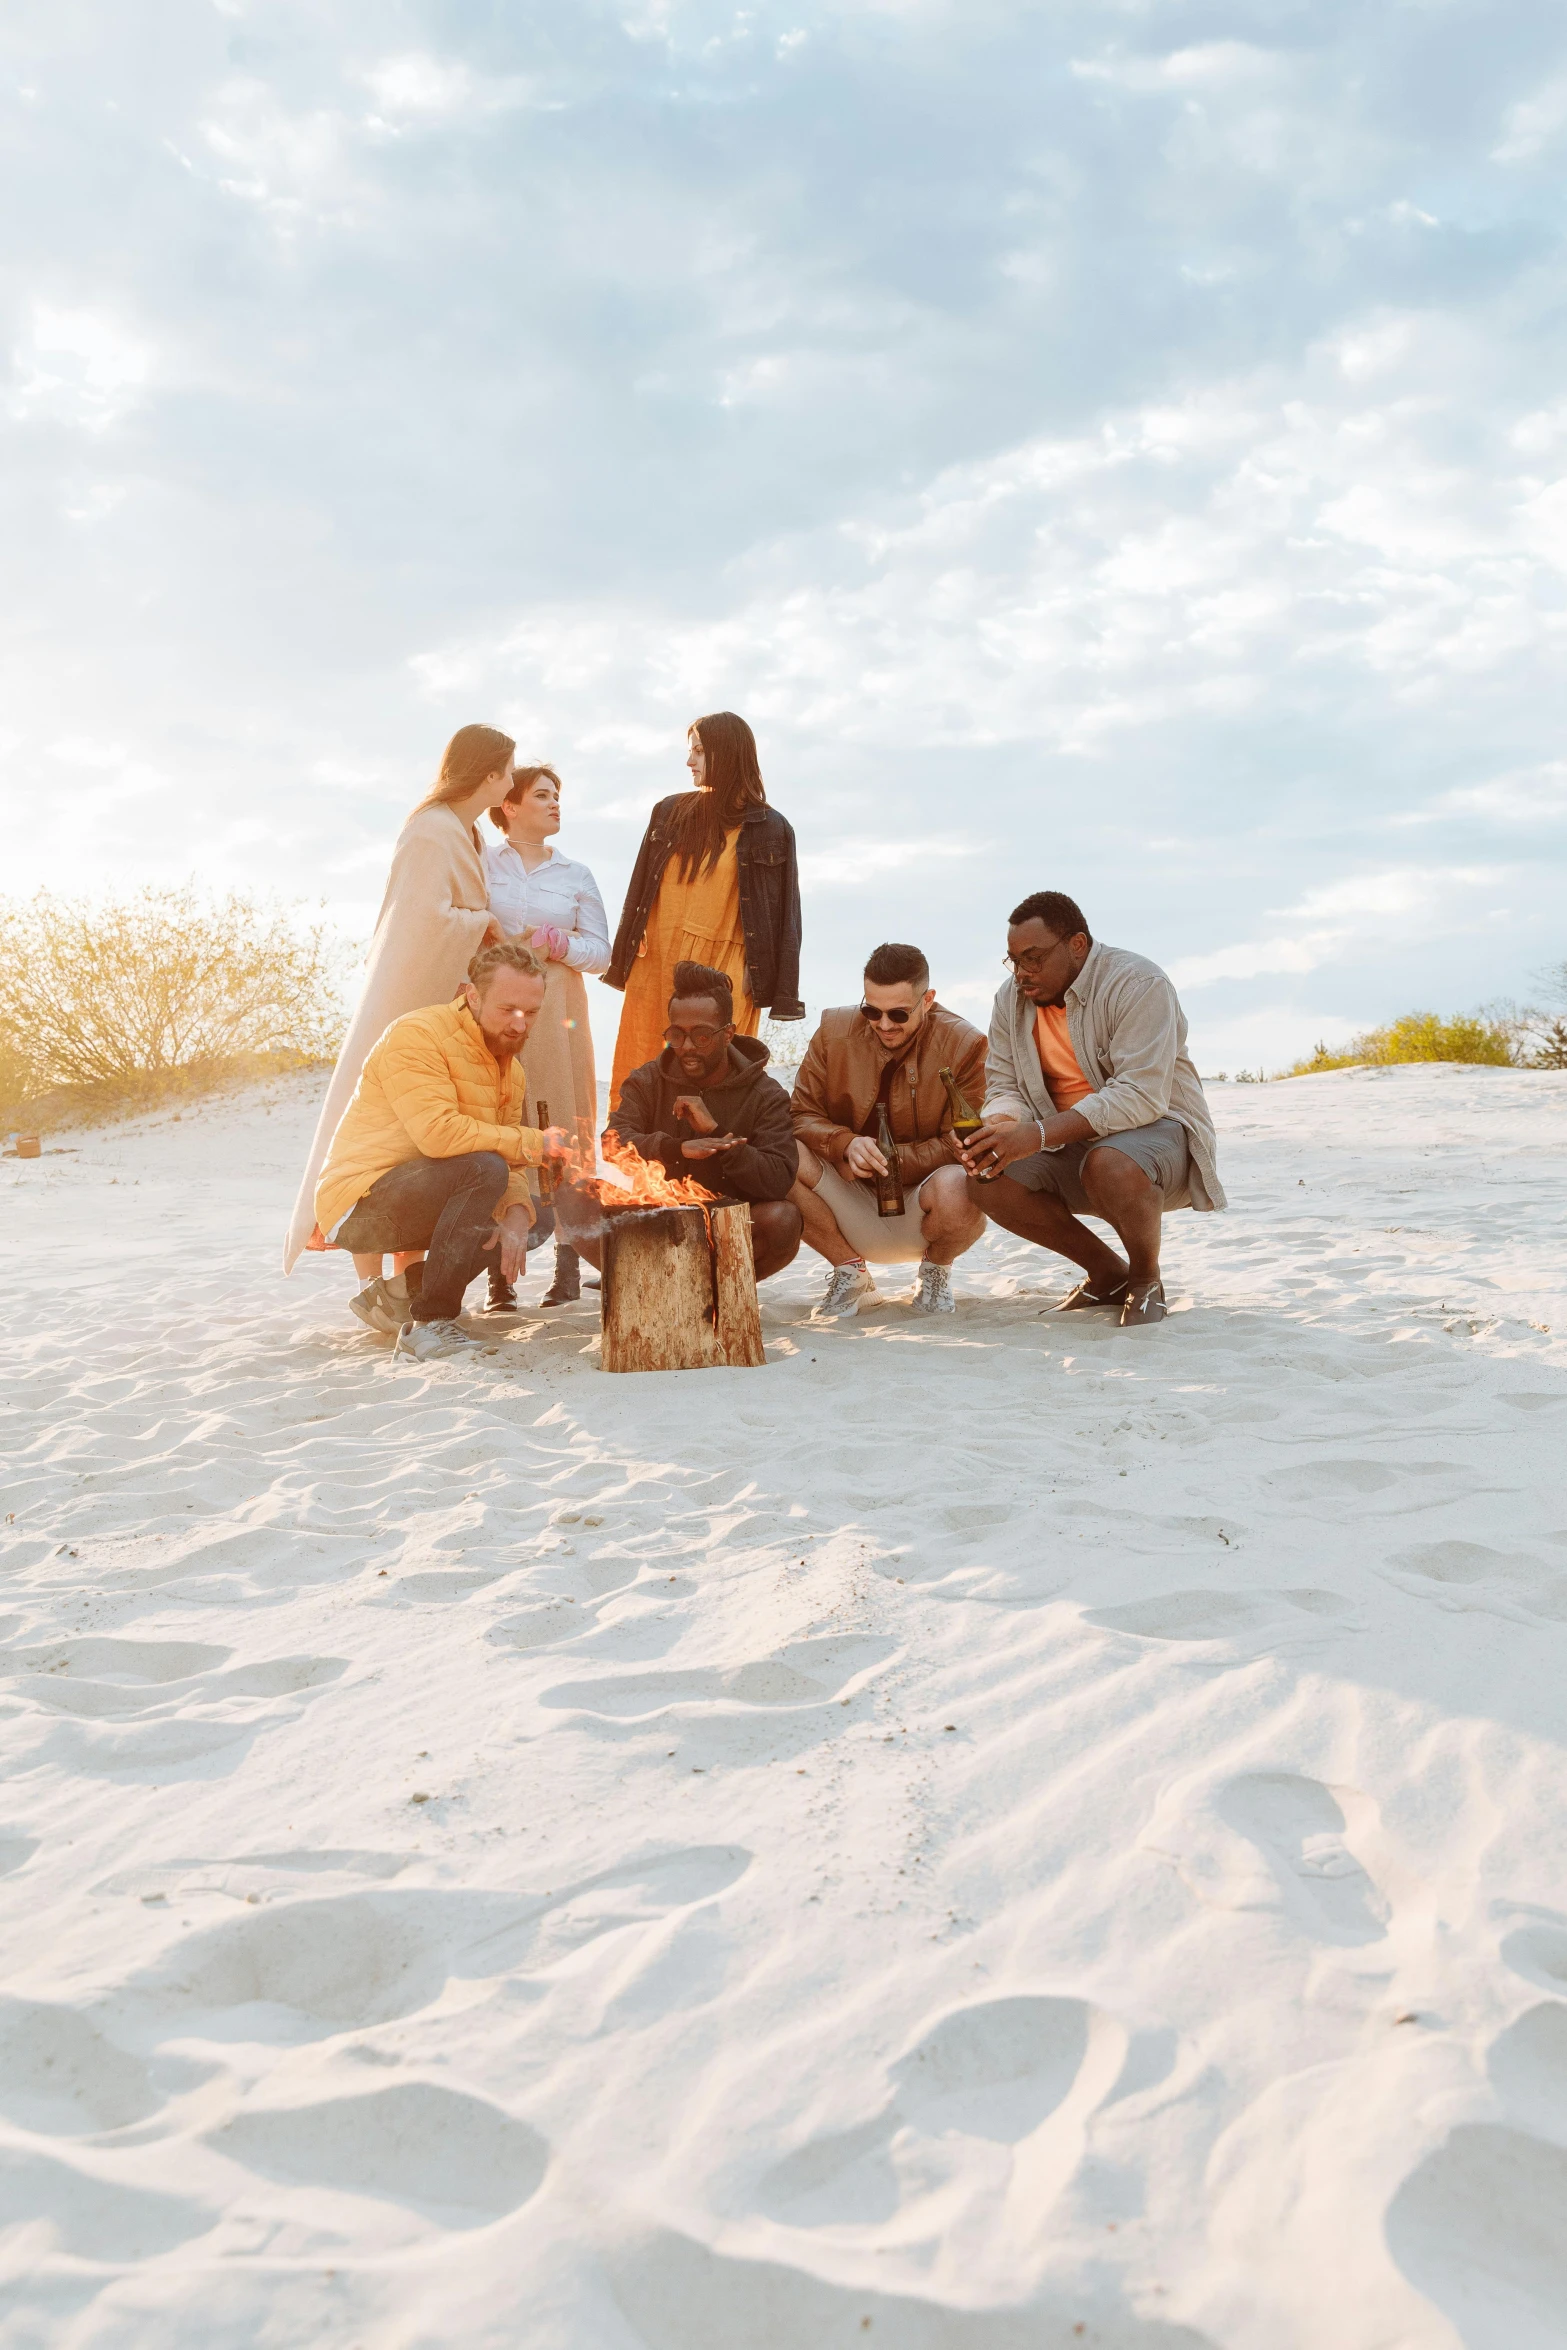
pixel 707 1108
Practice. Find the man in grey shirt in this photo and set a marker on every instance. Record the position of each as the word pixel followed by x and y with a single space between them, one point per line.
pixel 1092 1107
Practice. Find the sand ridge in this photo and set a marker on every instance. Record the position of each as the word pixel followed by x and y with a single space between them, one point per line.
pixel 976 1831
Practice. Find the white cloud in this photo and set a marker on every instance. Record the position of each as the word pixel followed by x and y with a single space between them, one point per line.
pixel 1534 123
pixel 416 87
pixel 79 366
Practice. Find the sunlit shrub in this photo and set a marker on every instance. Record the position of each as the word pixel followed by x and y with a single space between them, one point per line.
pixel 1486 1040
pixel 166 980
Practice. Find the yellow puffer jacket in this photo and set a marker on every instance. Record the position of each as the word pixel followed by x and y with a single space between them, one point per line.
pixel 430 1088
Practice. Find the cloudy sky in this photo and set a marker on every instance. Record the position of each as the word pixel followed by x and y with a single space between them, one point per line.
pixel 1116 445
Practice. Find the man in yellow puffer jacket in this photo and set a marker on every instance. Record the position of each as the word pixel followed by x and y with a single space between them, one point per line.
pixel 431 1150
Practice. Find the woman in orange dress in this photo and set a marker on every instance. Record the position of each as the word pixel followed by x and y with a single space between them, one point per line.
pixel 715 882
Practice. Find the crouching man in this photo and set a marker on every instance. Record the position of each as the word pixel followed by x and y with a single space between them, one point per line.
pixel 1093 1108
pixel 887 1052
pixel 430 1152
pixel 706 1108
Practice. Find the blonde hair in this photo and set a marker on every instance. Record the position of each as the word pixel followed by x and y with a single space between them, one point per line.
pixel 473 754
pixel 526 778
pixel 507 954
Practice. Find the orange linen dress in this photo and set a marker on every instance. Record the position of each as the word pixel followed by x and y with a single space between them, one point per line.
pixel 695 921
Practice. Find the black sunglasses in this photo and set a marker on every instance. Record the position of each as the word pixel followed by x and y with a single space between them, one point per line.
pixel 873 1013
pixel 700 1037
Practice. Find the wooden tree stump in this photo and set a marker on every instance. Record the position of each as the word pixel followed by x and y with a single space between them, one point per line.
pixel 680 1289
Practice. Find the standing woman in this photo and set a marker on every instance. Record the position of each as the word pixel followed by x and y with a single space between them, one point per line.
pixel 434 916
pixel 715 882
pixel 553 902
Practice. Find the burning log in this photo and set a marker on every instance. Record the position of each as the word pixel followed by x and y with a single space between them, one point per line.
pixel 679 1278
pixel 680 1288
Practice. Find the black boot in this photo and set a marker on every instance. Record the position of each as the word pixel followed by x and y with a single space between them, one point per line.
pixel 503 1297
pixel 566 1287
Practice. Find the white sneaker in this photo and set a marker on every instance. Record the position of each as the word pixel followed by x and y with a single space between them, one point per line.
pixel 932 1292
pixel 849 1284
pixel 428 1342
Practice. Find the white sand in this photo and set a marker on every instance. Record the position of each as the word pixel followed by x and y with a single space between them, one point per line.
pixel 980 1836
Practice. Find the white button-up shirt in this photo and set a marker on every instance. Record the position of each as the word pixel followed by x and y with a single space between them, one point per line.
pixel 560 892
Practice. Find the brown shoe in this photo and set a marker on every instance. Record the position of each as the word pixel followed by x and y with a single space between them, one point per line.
pixel 1084 1297
pixel 1144 1305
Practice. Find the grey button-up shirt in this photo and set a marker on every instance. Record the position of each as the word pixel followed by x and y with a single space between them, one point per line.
pixel 1129 1034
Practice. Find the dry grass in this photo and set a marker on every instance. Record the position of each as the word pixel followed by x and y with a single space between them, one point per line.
pixel 106 1007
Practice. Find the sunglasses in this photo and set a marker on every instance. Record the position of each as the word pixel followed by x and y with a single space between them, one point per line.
pixel 700 1037
pixel 873 1013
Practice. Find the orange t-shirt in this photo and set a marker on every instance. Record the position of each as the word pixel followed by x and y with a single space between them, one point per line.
pixel 1053 1043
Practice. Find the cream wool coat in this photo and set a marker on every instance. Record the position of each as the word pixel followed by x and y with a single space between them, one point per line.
pixel 432 918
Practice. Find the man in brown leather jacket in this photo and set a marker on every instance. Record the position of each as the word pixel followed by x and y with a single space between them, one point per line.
pixel 887 1050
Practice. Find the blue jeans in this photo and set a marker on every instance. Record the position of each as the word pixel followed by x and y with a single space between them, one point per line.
pixel 445 1206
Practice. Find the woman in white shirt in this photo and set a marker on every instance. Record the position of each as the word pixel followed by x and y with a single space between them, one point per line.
pixel 538 894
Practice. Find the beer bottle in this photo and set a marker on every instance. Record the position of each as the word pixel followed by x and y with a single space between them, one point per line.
pixel 966 1120
pixel 889 1187
pixel 546 1180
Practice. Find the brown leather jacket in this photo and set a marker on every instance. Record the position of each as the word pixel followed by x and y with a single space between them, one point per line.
pixel 840 1076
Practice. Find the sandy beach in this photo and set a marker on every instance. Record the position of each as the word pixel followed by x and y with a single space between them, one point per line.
pixel 981 1835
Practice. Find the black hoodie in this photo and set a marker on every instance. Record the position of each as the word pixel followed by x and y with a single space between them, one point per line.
pixel 743 1099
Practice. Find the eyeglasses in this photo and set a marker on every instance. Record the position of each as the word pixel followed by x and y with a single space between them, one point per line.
pixel 874 1012
pixel 1032 958
pixel 700 1037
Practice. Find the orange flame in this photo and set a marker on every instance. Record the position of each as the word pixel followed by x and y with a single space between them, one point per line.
pixel 649 1185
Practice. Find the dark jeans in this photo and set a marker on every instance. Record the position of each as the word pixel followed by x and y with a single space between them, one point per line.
pixel 443 1205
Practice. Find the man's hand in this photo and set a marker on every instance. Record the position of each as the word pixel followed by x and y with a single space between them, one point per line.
pixel 557 1143
pixel 511 1238
pixel 863 1158
pixel 709 1146
pixel 998 1142
pixel 696 1113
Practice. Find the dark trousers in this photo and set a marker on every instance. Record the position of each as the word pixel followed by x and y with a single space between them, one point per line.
pixel 446 1206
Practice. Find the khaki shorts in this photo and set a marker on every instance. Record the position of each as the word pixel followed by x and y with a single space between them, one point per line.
pixel 881 1240
pixel 1160 1149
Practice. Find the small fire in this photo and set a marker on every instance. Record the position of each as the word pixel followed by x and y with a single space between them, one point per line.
pixel 645 1184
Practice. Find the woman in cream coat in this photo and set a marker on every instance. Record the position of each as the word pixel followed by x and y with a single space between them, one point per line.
pixel 434 917
pixel 553 902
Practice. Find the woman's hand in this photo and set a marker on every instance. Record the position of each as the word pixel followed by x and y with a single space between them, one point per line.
pixel 493 934
pixel 547 940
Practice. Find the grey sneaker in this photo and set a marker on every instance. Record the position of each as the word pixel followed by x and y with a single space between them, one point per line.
pixel 932 1292
pixel 849 1284
pixel 429 1342
pixel 380 1306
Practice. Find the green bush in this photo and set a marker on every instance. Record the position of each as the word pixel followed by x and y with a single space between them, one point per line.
pixel 1489 1042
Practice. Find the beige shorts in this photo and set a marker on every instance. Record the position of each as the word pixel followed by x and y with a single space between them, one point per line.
pixel 881 1240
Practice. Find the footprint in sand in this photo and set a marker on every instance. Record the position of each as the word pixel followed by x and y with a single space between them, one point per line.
pixel 808 1673
pixel 90 2217
pixel 1478 2228
pixel 676 2293
pixel 1298 1826
pixel 1539 1954
pixel 1212 1615
pixel 413 2142
pixel 1003 2074
pixel 61 2078
pixel 351 1960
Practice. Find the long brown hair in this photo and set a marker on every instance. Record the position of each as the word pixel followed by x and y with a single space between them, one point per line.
pixel 699 821
pixel 473 753
pixel 525 779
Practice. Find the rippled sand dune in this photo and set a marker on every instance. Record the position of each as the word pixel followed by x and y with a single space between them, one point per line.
pixel 984 1835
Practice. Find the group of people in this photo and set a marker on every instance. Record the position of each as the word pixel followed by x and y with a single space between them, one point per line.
pixel 461 1120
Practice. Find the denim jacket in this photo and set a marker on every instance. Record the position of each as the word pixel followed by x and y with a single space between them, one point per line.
pixel 769 905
